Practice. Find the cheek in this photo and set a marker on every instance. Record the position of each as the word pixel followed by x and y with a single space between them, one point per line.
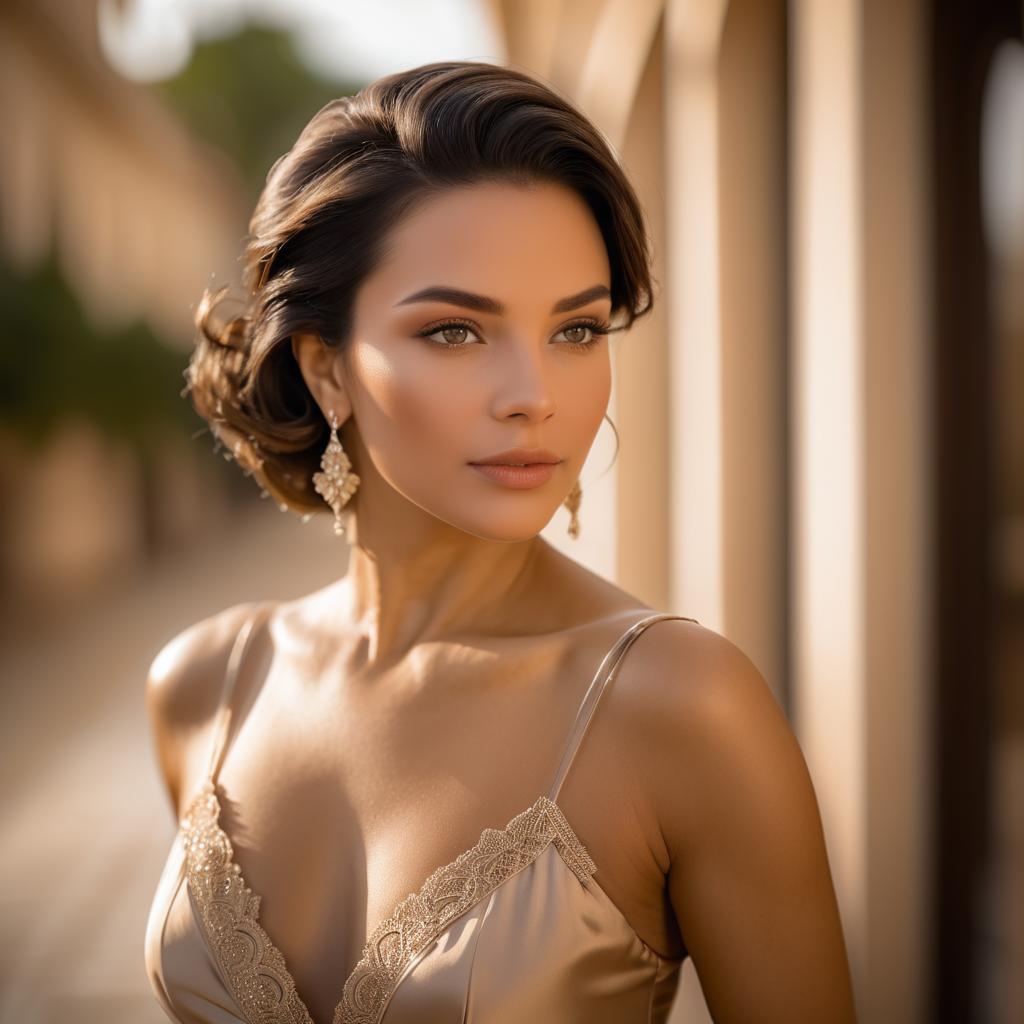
pixel 409 403
pixel 584 400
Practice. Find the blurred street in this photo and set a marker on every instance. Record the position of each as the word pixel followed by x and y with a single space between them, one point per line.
pixel 87 823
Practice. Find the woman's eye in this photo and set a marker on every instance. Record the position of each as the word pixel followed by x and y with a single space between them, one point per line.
pixel 576 334
pixel 452 334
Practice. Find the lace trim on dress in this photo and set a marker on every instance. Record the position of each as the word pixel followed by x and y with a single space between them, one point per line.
pixel 448 893
pixel 255 969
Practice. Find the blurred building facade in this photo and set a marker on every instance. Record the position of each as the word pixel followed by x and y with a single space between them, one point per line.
pixel 136 214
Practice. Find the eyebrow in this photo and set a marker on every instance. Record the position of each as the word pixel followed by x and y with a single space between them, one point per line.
pixel 458 297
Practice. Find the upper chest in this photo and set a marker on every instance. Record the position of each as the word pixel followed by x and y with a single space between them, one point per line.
pixel 341 797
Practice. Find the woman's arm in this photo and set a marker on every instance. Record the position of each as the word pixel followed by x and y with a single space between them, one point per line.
pixel 749 878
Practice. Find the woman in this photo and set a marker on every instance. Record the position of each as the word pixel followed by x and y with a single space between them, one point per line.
pixel 396 836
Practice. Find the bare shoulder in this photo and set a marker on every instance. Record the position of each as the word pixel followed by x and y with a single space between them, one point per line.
pixel 184 684
pixel 703 710
pixel 748 873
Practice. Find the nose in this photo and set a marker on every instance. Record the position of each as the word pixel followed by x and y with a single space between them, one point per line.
pixel 524 387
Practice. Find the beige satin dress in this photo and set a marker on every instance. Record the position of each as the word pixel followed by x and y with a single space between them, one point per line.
pixel 515 930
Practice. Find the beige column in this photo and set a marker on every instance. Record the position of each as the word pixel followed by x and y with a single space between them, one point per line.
pixel 896 533
pixel 693 307
pixel 828 527
pixel 753 276
pixel 859 525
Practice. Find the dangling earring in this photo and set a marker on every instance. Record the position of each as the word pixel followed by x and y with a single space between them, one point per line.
pixel 336 483
pixel 572 503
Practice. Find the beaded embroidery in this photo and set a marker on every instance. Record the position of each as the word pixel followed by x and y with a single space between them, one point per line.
pixel 255 969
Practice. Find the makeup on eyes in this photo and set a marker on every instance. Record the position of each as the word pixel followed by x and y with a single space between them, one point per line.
pixel 597 327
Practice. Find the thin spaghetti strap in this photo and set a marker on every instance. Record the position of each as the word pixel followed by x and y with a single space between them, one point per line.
pixel 604 673
pixel 220 733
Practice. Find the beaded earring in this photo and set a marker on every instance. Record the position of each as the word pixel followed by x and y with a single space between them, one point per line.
pixel 572 503
pixel 336 482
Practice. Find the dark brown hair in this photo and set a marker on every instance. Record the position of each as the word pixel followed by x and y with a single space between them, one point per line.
pixel 317 229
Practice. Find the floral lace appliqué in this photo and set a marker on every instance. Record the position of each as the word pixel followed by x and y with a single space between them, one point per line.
pixel 449 892
pixel 255 970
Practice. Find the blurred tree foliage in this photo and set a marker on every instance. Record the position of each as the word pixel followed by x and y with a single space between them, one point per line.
pixel 248 95
pixel 54 363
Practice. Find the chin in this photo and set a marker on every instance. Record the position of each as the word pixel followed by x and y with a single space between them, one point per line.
pixel 511 532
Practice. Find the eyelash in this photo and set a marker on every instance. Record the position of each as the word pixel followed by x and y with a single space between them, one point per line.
pixel 598 328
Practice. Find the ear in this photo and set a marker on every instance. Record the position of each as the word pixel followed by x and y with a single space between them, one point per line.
pixel 323 370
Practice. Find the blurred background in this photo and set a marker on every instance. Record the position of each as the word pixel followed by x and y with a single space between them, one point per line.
pixel 822 425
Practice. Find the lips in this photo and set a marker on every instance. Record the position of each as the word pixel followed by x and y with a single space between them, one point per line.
pixel 519 457
pixel 517 477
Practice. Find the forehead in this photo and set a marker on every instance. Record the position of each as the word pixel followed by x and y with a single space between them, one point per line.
pixel 539 241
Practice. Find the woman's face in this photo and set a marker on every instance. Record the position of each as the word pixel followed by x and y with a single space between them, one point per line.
pixel 437 382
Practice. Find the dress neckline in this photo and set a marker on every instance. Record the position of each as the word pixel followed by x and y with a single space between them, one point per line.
pixel 255 970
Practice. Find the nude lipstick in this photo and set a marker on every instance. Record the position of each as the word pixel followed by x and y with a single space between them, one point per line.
pixel 519 468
